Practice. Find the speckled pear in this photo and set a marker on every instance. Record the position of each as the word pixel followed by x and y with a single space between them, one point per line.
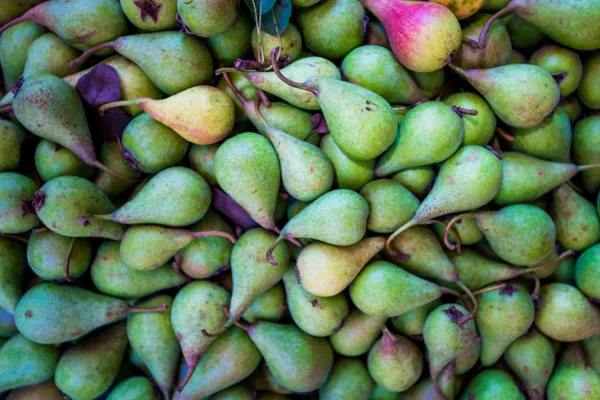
pixel 358 334
pixel 16 190
pixel 14 43
pixel 573 375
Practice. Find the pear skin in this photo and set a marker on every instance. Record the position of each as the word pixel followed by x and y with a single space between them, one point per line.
pixel 349 378
pixel 357 335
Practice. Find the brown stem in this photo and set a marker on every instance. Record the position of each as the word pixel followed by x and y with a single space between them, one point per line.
pixel 284 79
pixel 489 289
pixel 434 381
pixel 6 109
pixel 22 18
pixel 68 260
pixel 575 187
pixel 486 28
pixel 270 257
pixel 263 98
pixel 234 89
pixel 88 53
pixel 472 297
pixel 588 166
pixel 15 237
pixel 104 168
pixel 464 111
pixel 40 230
pixel 449 226
pixel 388 242
pixel 148 310
pixel 505 135
pixel 123 103
pixel 189 373
pixel 215 233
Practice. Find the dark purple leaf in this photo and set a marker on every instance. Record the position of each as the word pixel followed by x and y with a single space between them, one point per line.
pixel 232 210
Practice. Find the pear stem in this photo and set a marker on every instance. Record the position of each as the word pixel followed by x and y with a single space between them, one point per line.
pixel 263 98
pixel 535 296
pixel 223 71
pixel 505 135
pixel 233 88
pixel 215 233
pixel 561 257
pixel 472 297
pixel 434 382
pixel 40 230
pixel 388 242
pixel 575 187
pixel 149 310
pixel 449 226
pixel 88 53
pixel 452 292
pixel 189 373
pixel 588 166
pixel 483 35
pixel 104 168
pixel 277 72
pixel 270 257
pixel 489 289
pixel 6 109
pixel 242 325
pixel 68 260
pixel 464 111
pixel 15 237
pixel 85 219
pixel 459 71
pixel 22 18
pixel 122 103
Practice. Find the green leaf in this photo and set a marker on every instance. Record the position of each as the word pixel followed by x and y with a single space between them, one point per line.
pixel 276 20
pixel 266 5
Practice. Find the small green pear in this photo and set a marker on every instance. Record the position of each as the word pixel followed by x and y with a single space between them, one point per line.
pixel 263 379
pixel 349 173
pixel 589 83
pixel 54 257
pixel 112 156
pixel 479 128
pixel 590 345
pixel 381 393
pixel 289 41
pixel 10 143
pixel 523 35
pixel 391 205
pixel 14 43
pixel 15 191
pixel 349 378
pixel 418 180
pixel 136 388
pixel 573 377
pixel 233 43
pixel 572 107
pixel 493 384
pixel 202 160
pixel 151 15
pixel 586 145
pixel 357 335
pixel 52 160
pixel 562 63
pixel 585 271
pixel 268 306
pixel 411 323
pixel 207 19
pixel 424 389
pixel 467 230
pixel 576 219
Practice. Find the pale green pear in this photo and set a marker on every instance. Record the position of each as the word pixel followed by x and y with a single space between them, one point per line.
pixel 349 378
pixel 136 388
pixel 349 173
pixel 573 377
pixel 357 335
pixel 391 205
pixel 492 384
pixel 10 143
pixel 16 190
pixel 268 306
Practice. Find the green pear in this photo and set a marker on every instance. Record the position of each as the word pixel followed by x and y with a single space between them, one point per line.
pixel 590 345
pixel 12 268
pixel 586 150
pixel 10 144
pixel 207 19
pixel 531 358
pixel 287 118
pixel 241 391
pixel 339 217
pixel 424 389
pixel 565 314
pixel 504 315
pixel 48 54
pixel 16 191
pixel 7 324
pixel 376 35
pixel 54 257
pixel 24 363
pixel 289 41
pixel 268 306
pixel 585 271
pixel 395 362
pixel 376 68
pixel 562 63
pixel 198 312
pixel 411 323
pixel 381 288
pixel 42 314
pixel 14 43
pixel 349 173
pixel 151 15
pixel 506 86
pixel 46 390
pixel 60 201
pixel 151 146
pixel 565 270
pixel 263 379
pixel 251 272
pixel 493 384
pixel 136 388
pixel 479 128
pixel 233 43
pixel 151 336
pixel 230 359
pixel 113 277
pixel 430 83
pixel 523 35
pixel 248 170
pixel 381 393
pixel 202 160
pixel 551 140
pixel 576 219
pixel 52 160
pixel 573 377
pixel 326 270
pixel 88 369
pixel 587 90
pixel 357 335
pixel 112 156
pixel 572 107
pixel 518 58
pixel 349 378
pixel 315 315
pixel 465 361
pixel 298 361
pixel 418 180
pixel 391 205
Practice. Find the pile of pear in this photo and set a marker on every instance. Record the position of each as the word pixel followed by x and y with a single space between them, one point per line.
pixel 387 199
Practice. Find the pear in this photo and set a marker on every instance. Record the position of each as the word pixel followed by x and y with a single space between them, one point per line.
pixel 565 270
pixel 241 391
pixel 111 155
pixel 412 27
pixel 565 314
pixel 263 379
pixel 381 393
pixel 573 377
pixel 576 219
pixel 446 337
pixel 200 114
pixel 52 160
pixel 504 315
pixel 247 169
pixel 520 234
pixel 230 359
pixel 201 159
pixel 418 180
pixel 550 141
pixel 479 128
pixel 531 358
pixel 16 191
pixel 316 25
pixel 151 336
pixel 492 384
pixel 292 120
pixel 339 217
pixel 81 23
pixel 89 368
pixel 60 201
pixel 23 362
pixel 590 345
pixel 151 146
pixel 146 247
pixel 572 107
pixel 197 313
pixel 357 335
pixel 586 142
pixel 391 205
pixel 467 230
pixel 46 305
pixel 12 268
pixel 506 86
pixel 151 15
pixel 54 257
pixel 14 43
pixel 299 70
pixel 375 68
pixel 189 63
pixel 562 63
pixel 361 122
pixel 289 40
pixel 465 361
pixel 113 277
pixel 7 324
pixel 455 188
pixel 579 33
pixel 587 91
pixel 523 35
pixel 235 42
pixel 207 19
pixel 298 361
pixel 376 35
pixel 462 9
pixel 349 378
pixel 381 288
pixel 422 390
pixel 317 316
pixel 326 270
pixel 395 362
pixel 269 306
pixel 46 390
pixel 411 323
pixel 585 270
pixel 252 274
pixel 349 173
pixel 10 144
pixel 133 389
